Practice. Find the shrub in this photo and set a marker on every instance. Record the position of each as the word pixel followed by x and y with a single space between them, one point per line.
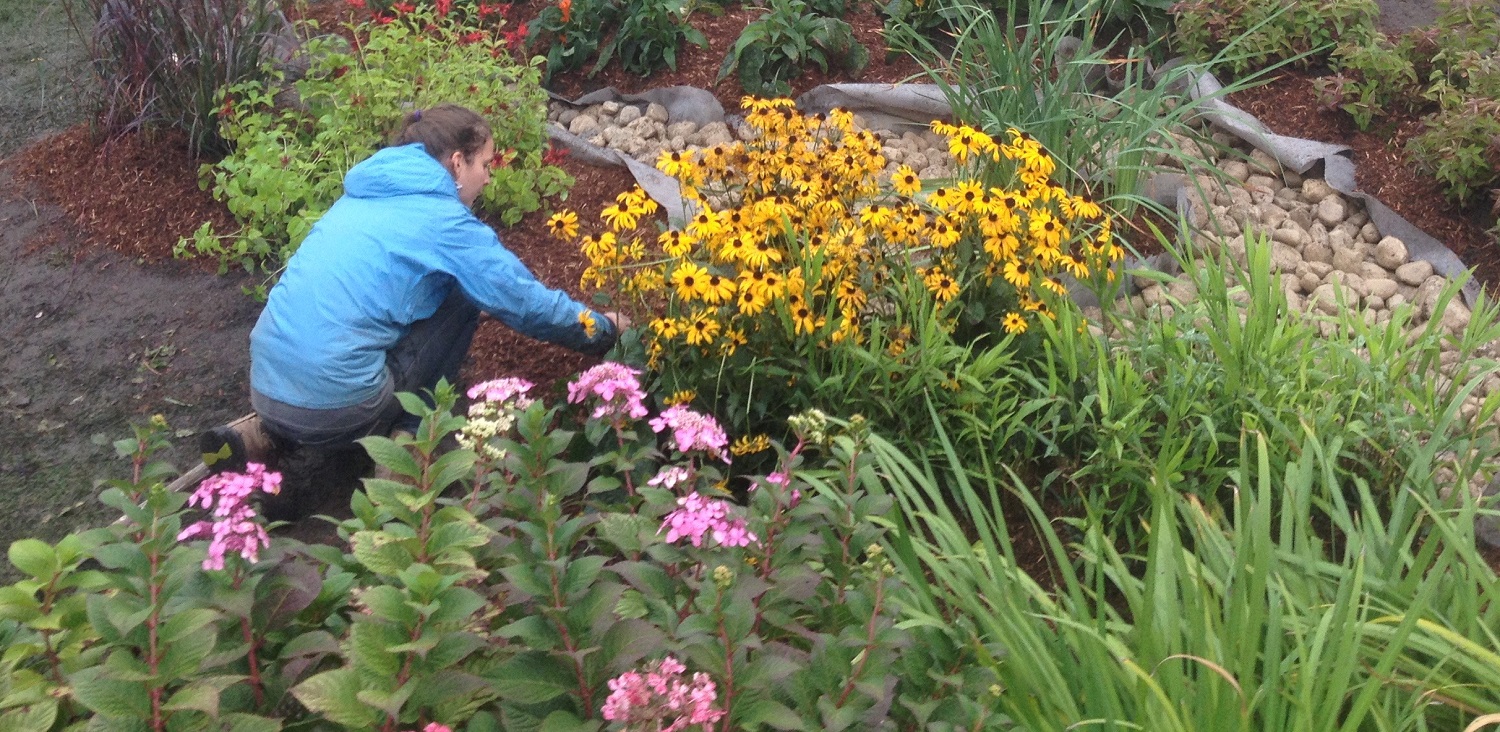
pixel 1373 80
pixel 812 277
pixel 573 31
pixel 1460 145
pixel 1246 35
pixel 774 48
pixel 288 163
pixel 536 576
pixel 164 61
pixel 649 35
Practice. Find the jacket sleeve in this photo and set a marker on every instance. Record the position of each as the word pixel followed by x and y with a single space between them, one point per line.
pixel 501 285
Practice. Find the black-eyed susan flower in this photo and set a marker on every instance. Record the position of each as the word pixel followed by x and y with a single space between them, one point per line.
pixel 674 163
pixel 1017 273
pixel 590 325
pixel 563 225
pixel 732 340
pixel 690 280
pixel 750 302
pixel 681 396
pixel 905 181
pixel 941 284
pixel 750 444
pixel 600 248
pixel 1014 323
pixel 665 328
pixel 619 218
pixel 719 290
pixel 944 232
pixel 702 330
pixel 805 321
pixel 675 242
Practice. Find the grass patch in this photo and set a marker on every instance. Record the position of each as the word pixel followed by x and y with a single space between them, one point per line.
pixel 43 70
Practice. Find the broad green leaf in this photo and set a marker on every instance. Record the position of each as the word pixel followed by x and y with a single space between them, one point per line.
pixel 200 696
pixel 532 678
pixel 335 695
pixel 388 454
pixel 34 557
pixel 565 721
pixel 769 713
pixel 96 689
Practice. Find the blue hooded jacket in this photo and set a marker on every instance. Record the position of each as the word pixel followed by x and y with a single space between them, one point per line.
pixel 385 256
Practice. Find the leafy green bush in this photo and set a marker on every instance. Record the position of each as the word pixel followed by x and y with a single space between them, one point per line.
pixel 502 585
pixel 1461 146
pixel 774 48
pixel 573 31
pixel 649 35
pixel 1247 35
pixel 1373 80
pixel 288 162
pixel 164 61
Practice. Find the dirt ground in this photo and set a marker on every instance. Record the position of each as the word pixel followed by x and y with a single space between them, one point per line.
pixel 98 339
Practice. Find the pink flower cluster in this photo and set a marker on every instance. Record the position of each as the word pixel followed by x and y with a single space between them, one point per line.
pixel 226 497
pixel 661 699
pixel 670 476
pixel 615 386
pixel 693 431
pixel 510 391
pixel 698 517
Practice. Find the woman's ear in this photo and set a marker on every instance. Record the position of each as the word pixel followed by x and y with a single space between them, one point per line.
pixel 455 159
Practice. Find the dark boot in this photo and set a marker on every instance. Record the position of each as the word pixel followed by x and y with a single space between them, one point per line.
pixel 228 448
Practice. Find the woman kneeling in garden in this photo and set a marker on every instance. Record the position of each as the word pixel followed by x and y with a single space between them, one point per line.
pixel 384 297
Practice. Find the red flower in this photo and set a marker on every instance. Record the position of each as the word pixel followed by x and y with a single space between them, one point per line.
pixel 516 37
pixel 472 37
pixel 443 6
pixel 554 154
pixel 566 6
pixel 384 19
pixel 502 158
pixel 359 4
pixel 404 8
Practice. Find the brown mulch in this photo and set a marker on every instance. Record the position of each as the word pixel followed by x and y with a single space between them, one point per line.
pixel 1288 106
pixel 136 195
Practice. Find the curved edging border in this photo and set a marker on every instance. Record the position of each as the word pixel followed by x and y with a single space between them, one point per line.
pixel 902 107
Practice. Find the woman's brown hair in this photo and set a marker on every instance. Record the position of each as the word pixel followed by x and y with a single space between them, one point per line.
pixel 445 129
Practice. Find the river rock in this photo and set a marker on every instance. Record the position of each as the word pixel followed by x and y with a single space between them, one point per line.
pixel 1327 298
pixel 1316 251
pixel 628 113
pixel 1332 210
pixel 1414 273
pixel 1382 288
pixel 1390 253
pixel 1314 190
pixel 1284 257
pixel 1292 236
pixel 584 125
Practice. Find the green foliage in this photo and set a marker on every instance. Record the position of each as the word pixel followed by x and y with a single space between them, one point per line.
pixel 1373 80
pixel 1460 142
pixel 163 62
pixel 1306 553
pixel 1246 35
pixel 1172 395
pixel 774 48
pixel 649 35
pixel 288 161
pixel 1461 146
pixel 644 35
pixel 498 589
pixel 572 31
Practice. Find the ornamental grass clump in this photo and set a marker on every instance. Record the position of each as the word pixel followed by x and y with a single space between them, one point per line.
pixel 802 248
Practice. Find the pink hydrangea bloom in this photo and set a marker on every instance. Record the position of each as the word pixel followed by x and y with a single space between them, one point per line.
pixel 615 386
pixel 670 477
pixel 659 699
pixel 435 727
pixel 226 497
pixel 698 517
pixel 510 390
pixel 693 431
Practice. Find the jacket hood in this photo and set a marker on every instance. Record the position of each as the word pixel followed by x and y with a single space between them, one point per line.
pixel 399 171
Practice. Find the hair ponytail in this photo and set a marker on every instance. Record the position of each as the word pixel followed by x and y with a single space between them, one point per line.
pixel 444 130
